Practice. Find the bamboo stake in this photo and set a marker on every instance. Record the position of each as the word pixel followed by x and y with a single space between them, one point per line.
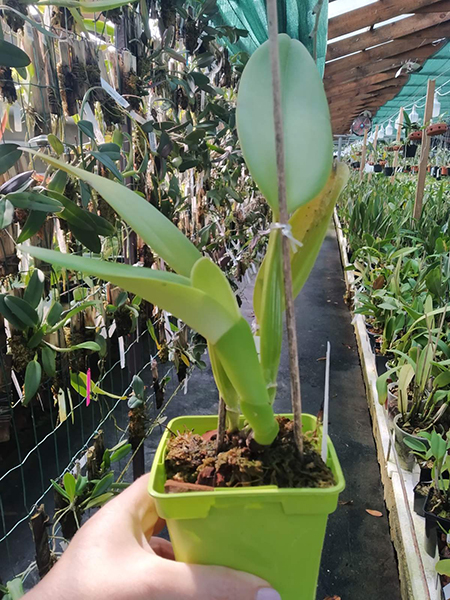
pixel 296 397
pixel 423 162
pixel 363 156
pixel 399 137
pixel 374 153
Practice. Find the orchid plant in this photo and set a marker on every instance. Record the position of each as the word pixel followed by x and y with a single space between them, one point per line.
pixel 197 291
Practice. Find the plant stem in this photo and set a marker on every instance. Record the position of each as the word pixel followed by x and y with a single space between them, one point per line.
pixel 221 425
pixel 283 218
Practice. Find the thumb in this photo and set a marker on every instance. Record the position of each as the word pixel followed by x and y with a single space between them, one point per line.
pixel 180 581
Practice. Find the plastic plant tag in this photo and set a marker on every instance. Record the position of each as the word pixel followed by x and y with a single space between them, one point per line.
pixel 137 117
pixel 446 591
pixel 99 138
pixel 17 113
pixel 88 387
pixel 114 93
pixel 122 352
pixel 16 385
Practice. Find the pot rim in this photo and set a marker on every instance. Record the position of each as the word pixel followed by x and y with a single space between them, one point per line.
pixel 243 492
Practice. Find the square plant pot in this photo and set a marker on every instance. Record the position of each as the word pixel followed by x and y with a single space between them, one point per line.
pixel 274 533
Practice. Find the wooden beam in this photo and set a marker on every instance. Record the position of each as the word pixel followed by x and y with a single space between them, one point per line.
pixel 387 64
pixel 367 16
pixel 409 43
pixel 353 94
pixel 392 31
pixel 379 78
pixel 424 151
pixel 443 6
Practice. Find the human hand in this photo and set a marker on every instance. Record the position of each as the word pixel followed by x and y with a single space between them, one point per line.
pixel 115 557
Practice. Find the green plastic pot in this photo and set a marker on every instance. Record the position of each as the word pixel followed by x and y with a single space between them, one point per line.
pixel 275 533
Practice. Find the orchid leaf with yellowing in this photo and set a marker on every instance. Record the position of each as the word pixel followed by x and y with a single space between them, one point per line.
pixel 308 140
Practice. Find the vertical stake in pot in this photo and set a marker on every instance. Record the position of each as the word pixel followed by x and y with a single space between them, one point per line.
pixel 374 153
pixel 362 166
pixel 296 397
pixel 326 405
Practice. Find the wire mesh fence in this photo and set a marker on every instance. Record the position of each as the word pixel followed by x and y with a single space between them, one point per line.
pixel 44 448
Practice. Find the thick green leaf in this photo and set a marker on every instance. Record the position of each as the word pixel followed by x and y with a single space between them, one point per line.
pixel 60 489
pixel 15 589
pixel 99 500
pixel 70 485
pixel 9 153
pixel 271 317
pixel 33 374
pixel 56 144
pixel 308 142
pixel 87 238
pixel 120 453
pixel 82 346
pixel 54 314
pixel 36 338
pixel 10 315
pixel 443 567
pixel 23 310
pixel 209 278
pixel 442 380
pixel 87 128
pixel 34 222
pixel 12 56
pixel 48 357
pixel 102 485
pixel 108 163
pixel 415 444
pixel 35 288
pixel 58 182
pixel 35 201
pixel 101 225
pixel 138 386
pixel 147 221
pixel 172 292
pixel 6 213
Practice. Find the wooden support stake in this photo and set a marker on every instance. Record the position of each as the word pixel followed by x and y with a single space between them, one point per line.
pixel 399 137
pixel 363 156
pixel 423 162
pixel 221 425
pixel 296 397
pixel 44 556
pixel 374 153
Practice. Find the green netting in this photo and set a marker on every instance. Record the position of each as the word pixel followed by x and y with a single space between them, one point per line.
pixel 414 91
pixel 295 18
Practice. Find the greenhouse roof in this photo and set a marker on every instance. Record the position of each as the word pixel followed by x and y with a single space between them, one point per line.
pixel 374 48
pixel 414 91
pixel 295 17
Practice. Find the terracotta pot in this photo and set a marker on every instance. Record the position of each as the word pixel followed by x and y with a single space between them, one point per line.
pixel 382 163
pixel 436 129
pixel 444 171
pixel 429 169
pixel 415 169
pixel 416 136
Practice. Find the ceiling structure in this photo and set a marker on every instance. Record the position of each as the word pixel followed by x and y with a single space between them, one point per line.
pixel 369 67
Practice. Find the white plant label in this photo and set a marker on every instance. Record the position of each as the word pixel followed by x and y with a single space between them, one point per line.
pixel 137 117
pixel 16 385
pixel 122 352
pixel 446 591
pixel 99 138
pixel 17 117
pixel 114 93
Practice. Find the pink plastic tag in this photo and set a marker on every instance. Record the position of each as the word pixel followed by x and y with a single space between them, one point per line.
pixel 88 387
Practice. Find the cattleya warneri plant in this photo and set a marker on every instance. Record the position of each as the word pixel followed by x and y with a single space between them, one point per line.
pixel 198 292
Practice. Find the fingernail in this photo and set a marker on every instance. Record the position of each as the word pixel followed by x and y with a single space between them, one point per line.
pixel 267 594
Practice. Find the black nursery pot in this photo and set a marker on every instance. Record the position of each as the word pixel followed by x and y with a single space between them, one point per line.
pixel 356 164
pixel 410 150
pixel 432 523
pixel 420 498
pixel 377 168
pixel 388 171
